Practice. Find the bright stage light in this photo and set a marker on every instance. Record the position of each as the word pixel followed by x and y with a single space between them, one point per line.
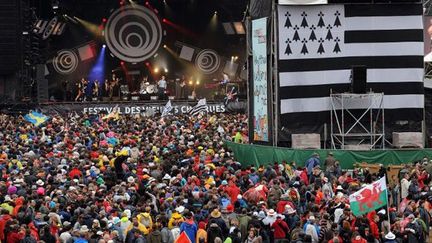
pixel 122 63
pixel 104 20
pixel 166 70
pixel 164 46
pixel 156 70
pixel 197 82
pixel 215 12
pixel 164 20
pixel 103 46
pixel 190 82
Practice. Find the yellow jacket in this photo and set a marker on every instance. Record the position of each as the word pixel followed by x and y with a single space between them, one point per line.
pixel 142 217
pixel 201 233
pixel 175 217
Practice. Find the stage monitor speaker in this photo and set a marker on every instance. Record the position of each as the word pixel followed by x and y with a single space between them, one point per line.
pixel 42 84
pixel 358 79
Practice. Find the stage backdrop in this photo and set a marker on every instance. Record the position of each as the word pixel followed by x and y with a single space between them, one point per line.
pixel 260 80
pixel 318 45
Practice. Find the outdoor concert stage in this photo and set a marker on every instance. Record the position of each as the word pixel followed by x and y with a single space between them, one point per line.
pixel 137 107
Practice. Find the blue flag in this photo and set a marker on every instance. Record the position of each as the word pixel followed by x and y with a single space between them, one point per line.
pixel 36 118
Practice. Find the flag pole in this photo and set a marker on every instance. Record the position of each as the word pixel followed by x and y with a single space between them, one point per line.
pixel 387 200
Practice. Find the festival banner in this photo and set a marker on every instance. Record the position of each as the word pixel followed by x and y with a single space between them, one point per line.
pixel 129 108
pixel 369 198
pixel 260 80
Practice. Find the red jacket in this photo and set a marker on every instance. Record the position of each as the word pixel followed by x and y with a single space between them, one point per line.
pixel 3 220
pixel 280 229
pixel 233 191
pixel 360 240
pixel 280 206
pixel 14 237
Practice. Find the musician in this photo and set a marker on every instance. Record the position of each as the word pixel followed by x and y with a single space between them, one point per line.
pixel 110 86
pixel 183 87
pixel 95 89
pixel 82 87
pixel 162 85
pixel 224 82
pixel 143 85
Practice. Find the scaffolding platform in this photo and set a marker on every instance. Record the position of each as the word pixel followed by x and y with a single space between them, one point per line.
pixel 357 120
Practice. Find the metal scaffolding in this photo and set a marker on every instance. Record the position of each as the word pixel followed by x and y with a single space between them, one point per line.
pixel 357 120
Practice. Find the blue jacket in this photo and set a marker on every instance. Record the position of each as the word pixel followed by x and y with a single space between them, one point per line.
pixel 190 229
pixel 311 163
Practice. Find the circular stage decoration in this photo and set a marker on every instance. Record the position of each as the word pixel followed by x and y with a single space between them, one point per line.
pixel 133 33
pixel 207 61
pixel 65 62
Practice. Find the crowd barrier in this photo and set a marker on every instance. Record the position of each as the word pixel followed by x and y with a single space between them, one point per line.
pixel 257 155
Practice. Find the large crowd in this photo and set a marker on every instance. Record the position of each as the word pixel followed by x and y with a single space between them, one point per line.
pixel 138 179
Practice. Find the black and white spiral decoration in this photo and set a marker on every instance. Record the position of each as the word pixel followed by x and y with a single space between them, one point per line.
pixel 65 62
pixel 207 61
pixel 133 33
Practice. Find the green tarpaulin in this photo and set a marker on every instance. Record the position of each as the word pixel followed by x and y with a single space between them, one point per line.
pixel 256 155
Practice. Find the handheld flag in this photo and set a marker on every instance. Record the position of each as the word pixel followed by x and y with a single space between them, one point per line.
pixel 199 108
pixel 36 118
pixel 167 109
pixel 183 238
pixel 369 198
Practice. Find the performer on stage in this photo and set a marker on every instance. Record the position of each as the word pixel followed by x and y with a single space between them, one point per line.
pixel 95 89
pixel 82 87
pixel 224 82
pixel 110 86
pixel 162 85
pixel 143 85
pixel 183 87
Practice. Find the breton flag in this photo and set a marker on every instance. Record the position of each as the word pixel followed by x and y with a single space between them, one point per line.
pixel 199 108
pixel 319 44
pixel 167 109
pixel 369 198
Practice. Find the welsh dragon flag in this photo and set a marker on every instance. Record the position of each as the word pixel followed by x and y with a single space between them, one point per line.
pixel 369 198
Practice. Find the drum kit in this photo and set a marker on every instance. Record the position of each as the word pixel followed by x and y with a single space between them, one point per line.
pixel 148 88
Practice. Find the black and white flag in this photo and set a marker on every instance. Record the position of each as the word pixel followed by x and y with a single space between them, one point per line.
pixel 201 107
pixel 319 44
pixel 167 109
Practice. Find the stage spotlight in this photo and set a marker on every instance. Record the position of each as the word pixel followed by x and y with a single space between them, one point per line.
pixel 55 4
pixel 235 58
pixel 147 64
pixel 166 70
pixel 164 20
pixel 197 82
pixel 190 82
pixel 103 46
pixel 122 63
pixel 164 46
pixel 156 70
pixel 215 12
pixel 104 20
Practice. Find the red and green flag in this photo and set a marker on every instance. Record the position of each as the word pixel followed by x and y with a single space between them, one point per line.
pixel 369 198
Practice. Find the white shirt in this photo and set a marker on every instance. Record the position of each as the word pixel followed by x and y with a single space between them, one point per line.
pixel 404 188
pixel 162 84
